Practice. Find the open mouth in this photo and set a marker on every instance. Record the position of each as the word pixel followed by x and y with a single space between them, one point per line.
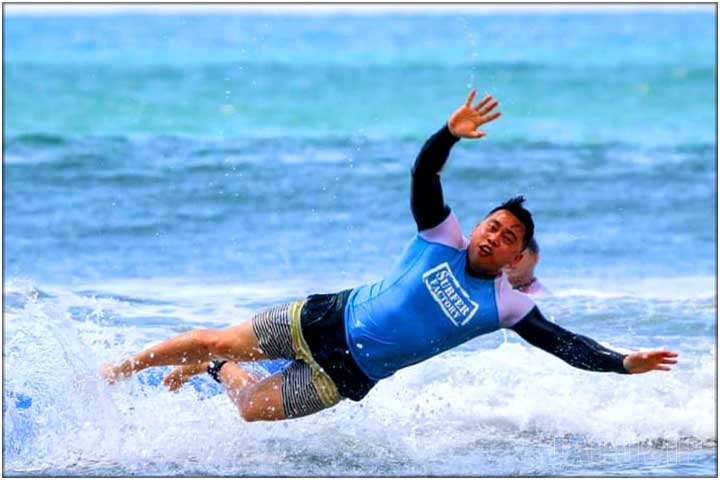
pixel 485 250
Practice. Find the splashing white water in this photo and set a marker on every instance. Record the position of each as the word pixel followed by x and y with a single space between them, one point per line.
pixel 61 418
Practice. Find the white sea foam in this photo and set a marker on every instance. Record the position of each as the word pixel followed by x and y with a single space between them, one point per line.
pixel 660 288
pixel 514 389
pixel 501 401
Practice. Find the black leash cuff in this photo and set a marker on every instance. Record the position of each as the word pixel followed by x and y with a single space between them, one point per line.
pixel 214 367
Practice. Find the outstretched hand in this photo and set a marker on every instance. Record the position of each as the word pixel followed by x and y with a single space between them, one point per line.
pixel 464 121
pixel 641 362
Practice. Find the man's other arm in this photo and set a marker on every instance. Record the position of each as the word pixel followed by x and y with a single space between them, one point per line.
pixel 585 353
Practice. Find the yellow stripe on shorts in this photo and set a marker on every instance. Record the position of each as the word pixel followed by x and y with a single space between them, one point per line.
pixel 323 383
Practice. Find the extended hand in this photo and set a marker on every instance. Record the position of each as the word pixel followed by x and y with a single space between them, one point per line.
pixel 464 121
pixel 182 374
pixel 641 362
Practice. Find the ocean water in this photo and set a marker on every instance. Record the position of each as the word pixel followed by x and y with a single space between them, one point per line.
pixel 170 172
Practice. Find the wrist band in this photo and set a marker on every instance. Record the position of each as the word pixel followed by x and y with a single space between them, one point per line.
pixel 214 367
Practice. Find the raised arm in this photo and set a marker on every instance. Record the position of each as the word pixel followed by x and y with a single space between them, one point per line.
pixel 426 196
pixel 585 353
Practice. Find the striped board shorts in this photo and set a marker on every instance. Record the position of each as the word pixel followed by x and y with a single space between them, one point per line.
pixel 306 388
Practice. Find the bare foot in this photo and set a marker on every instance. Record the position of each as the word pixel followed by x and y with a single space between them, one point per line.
pixel 180 375
pixel 108 373
pixel 113 373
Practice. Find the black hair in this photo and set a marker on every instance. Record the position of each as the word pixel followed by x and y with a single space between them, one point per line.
pixel 515 206
pixel 533 246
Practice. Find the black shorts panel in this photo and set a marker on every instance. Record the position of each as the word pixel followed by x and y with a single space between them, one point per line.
pixel 323 326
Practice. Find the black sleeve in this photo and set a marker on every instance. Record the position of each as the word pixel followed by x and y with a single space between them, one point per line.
pixel 577 350
pixel 426 196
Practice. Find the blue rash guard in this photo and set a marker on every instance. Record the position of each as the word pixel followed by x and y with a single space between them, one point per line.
pixel 427 304
pixel 431 301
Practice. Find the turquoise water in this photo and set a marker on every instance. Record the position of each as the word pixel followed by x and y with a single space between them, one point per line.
pixel 168 172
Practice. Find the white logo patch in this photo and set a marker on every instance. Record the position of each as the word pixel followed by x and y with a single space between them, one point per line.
pixel 455 302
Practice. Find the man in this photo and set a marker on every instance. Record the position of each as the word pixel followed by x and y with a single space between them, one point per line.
pixel 444 290
pixel 522 275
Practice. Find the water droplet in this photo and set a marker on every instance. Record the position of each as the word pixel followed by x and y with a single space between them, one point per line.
pixel 359 345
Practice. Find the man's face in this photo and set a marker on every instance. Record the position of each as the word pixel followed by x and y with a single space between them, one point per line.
pixel 524 270
pixel 496 242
